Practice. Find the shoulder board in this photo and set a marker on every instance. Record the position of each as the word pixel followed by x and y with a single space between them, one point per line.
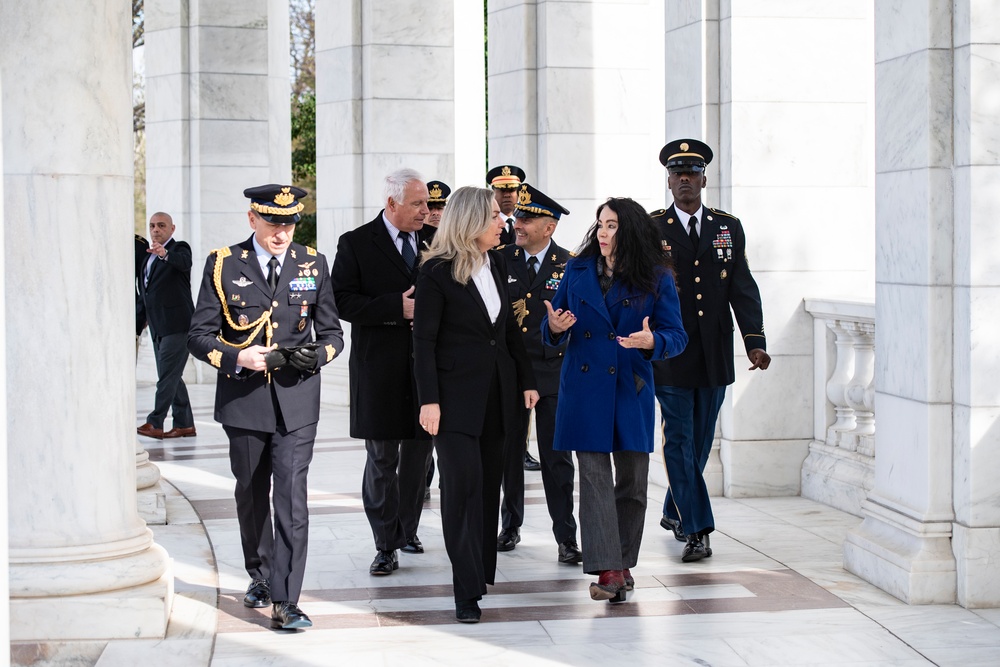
pixel 140 238
pixel 572 254
pixel 311 251
pixel 658 212
pixel 721 212
pixel 221 252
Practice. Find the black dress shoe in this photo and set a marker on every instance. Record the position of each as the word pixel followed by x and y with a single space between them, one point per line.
pixel 508 539
pixel 413 546
pixel 468 611
pixel 694 549
pixel 385 562
pixel 258 594
pixel 288 616
pixel 530 463
pixel 569 553
pixel 708 545
pixel 666 523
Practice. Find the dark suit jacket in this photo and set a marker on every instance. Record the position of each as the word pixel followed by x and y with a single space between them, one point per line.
pixel 243 398
pixel 458 349
pixel 526 300
pixel 712 279
pixel 166 297
pixel 369 277
pixel 141 245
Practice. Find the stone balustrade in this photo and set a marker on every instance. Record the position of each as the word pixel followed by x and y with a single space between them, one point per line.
pixel 840 467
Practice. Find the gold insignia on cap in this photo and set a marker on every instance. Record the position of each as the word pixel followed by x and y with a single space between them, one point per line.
pixel 684 146
pixel 330 352
pixel 520 311
pixel 505 171
pixel 244 254
pixel 524 197
pixel 435 192
pixel 215 358
pixel 285 197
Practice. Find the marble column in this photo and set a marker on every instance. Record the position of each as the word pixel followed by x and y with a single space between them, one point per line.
pixel 385 99
pixel 218 102
pixel 4 523
pixel 976 531
pixel 904 545
pixel 787 109
pixel 82 564
pixel 576 105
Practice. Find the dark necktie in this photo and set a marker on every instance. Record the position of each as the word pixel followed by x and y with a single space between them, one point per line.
pixel 510 229
pixel 407 250
pixel 532 268
pixel 272 273
pixel 693 230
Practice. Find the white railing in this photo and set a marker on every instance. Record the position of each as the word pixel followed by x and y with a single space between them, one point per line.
pixel 840 468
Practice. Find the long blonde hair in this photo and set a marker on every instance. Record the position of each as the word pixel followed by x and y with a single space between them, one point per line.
pixel 468 215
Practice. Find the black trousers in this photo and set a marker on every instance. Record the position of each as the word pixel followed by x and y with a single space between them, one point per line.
pixel 392 489
pixel 171 355
pixel 257 459
pixel 471 469
pixel 557 472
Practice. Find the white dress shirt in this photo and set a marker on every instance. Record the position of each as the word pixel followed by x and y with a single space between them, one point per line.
pixel 488 289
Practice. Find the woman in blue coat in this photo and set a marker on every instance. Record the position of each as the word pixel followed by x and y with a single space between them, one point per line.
pixel 617 304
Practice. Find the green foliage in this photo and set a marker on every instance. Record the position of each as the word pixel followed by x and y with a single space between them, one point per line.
pixel 305 230
pixel 304 137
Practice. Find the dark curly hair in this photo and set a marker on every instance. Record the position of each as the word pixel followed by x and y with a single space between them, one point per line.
pixel 639 257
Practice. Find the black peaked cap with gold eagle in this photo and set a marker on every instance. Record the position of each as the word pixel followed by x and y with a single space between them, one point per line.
pixel 437 192
pixel 685 155
pixel 533 203
pixel 278 204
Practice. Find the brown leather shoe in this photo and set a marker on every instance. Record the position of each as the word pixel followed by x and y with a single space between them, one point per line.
pixel 150 431
pixel 187 432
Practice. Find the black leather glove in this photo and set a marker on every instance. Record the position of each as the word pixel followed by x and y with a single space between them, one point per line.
pixel 304 358
pixel 277 358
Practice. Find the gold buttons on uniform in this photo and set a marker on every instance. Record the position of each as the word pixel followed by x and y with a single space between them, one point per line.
pixel 528 296
pixel 274 325
pixel 701 313
pixel 696 262
pixel 698 297
pixel 524 329
pixel 697 279
pixel 274 303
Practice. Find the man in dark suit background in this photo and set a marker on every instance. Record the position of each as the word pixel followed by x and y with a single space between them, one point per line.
pixel 265 293
pixel 165 304
pixel 373 277
pixel 708 249
pixel 535 266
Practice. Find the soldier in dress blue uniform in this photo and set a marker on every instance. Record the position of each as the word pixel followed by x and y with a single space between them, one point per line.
pixel 506 181
pixel 708 249
pixel 535 266
pixel 266 320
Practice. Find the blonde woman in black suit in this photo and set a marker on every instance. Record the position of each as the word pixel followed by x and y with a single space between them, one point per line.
pixel 470 367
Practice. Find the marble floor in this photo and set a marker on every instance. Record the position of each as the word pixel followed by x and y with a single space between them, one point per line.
pixel 773 593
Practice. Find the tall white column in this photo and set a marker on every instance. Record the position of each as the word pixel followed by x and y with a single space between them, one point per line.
pixel 976 532
pixel 218 104
pixel 4 523
pixel 904 545
pixel 82 563
pixel 576 105
pixel 385 100
pixel 787 110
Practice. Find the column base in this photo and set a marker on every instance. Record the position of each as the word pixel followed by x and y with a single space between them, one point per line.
pixel 909 559
pixel 837 477
pixel 977 551
pixel 152 505
pixel 139 612
pixel 762 468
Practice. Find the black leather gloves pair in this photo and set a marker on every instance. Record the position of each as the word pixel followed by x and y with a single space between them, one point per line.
pixel 303 357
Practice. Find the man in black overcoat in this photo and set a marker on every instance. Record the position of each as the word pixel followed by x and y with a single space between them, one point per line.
pixel 373 277
pixel 535 265
pixel 267 322
pixel 708 250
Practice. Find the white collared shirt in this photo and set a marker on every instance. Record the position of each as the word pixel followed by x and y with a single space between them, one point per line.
pixel 540 255
pixel 683 218
pixel 263 257
pixel 396 237
pixel 487 286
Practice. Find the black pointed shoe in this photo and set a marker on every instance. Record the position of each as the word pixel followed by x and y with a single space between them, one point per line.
pixel 694 550
pixel 570 553
pixel 531 463
pixel 413 546
pixel 666 523
pixel 708 545
pixel 508 539
pixel 288 616
pixel 468 611
pixel 385 562
pixel 258 594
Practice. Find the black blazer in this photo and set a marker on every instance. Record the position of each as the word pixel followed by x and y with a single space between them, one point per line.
pixel 141 245
pixel 300 313
pixel 724 281
pixel 458 349
pixel 166 297
pixel 369 277
pixel 528 307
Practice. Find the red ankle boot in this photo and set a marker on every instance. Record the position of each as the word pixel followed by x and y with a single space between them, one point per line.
pixel 610 586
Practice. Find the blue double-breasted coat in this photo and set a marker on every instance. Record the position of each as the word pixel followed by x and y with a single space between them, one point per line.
pixel 606 393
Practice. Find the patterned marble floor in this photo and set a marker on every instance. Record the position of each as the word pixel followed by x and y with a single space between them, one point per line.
pixel 774 593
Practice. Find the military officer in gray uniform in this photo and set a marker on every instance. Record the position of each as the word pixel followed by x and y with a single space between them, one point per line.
pixel 535 266
pixel 267 322
pixel 708 249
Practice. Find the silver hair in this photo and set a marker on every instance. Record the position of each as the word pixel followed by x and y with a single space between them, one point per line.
pixel 394 186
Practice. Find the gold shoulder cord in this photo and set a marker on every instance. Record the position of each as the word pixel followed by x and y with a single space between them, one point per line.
pixel 264 321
